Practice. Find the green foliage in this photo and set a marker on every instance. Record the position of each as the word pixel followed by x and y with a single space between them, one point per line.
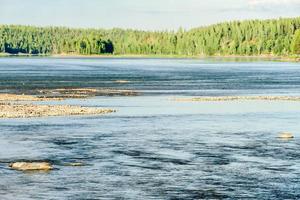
pixel 296 43
pixel 53 40
pixel 252 37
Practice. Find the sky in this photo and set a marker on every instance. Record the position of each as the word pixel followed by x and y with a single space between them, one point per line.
pixel 141 14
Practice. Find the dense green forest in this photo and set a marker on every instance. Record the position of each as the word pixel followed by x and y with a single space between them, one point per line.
pixel 252 37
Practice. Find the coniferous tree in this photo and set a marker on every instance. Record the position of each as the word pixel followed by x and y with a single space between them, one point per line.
pixel 296 43
pixel 251 37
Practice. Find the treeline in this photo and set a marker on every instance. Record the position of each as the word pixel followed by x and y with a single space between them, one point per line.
pixel 252 37
pixel 52 40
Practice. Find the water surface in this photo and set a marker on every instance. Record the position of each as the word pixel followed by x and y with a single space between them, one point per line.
pixel 155 148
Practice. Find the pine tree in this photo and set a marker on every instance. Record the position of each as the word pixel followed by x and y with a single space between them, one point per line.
pixel 296 43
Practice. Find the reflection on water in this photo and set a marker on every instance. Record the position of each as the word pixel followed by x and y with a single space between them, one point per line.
pixel 154 148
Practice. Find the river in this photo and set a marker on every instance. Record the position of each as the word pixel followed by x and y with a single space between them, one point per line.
pixel 154 147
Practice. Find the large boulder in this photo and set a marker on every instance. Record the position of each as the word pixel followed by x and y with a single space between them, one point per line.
pixel 286 135
pixel 29 166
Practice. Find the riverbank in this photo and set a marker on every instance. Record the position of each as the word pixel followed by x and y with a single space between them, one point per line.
pixel 99 55
pixel 234 57
pixel 292 58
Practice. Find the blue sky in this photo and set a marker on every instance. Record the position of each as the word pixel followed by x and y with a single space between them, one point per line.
pixel 141 14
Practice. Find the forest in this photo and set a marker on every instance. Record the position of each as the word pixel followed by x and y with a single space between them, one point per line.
pixel 251 37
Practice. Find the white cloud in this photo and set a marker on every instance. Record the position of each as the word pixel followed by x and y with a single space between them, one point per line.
pixel 273 2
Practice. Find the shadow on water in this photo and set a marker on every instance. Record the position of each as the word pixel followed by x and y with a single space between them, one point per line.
pixel 152 157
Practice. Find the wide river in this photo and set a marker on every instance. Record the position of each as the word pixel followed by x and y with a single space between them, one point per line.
pixel 154 147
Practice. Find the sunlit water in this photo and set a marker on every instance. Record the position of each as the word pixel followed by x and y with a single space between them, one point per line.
pixel 153 147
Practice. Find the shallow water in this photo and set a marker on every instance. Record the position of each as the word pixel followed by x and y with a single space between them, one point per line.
pixel 155 148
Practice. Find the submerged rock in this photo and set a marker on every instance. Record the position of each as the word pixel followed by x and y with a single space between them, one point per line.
pixel 22 97
pixel 66 93
pixel 29 166
pixel 122 81
pixel 286 135
pixel 77 164
pixel 240 98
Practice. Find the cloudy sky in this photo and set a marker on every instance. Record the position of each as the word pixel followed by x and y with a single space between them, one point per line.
pixel 141 14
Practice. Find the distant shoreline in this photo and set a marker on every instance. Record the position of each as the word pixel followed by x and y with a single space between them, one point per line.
pixel 271 57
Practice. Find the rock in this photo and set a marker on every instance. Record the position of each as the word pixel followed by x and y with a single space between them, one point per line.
pixel 23 97
pixel 286 135
pixel 122 81
pixel 66 93
pixel 33 110
pixel 29 166
pixel 240 98
pixel 78 164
